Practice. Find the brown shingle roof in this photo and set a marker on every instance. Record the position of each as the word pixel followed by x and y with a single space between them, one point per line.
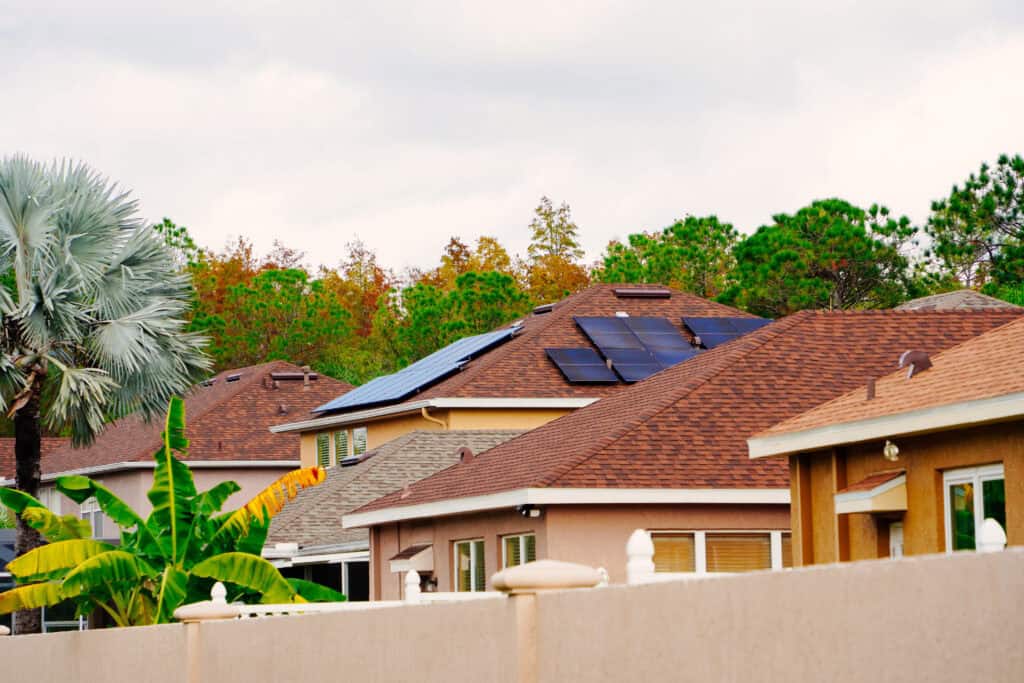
pixel 687 426
pixel 960 299
pixel 50 444
pixel 314 517
pixel 225 421
pixel 519 368
pixel 984 367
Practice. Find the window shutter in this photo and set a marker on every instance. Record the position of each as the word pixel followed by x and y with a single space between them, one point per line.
pixel 674 553
pixel 512 554
pixel 340 445
pixel 323 449
pixel 787 550
pixel 479 573
pixel 738 552
pixel 359 440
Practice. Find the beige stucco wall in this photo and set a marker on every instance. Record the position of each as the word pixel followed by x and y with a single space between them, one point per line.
pixel 864 536
pixel 381 431
pixel 594 535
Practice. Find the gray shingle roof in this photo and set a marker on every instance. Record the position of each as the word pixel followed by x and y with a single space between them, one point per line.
pixel 959 300
pixel 314 517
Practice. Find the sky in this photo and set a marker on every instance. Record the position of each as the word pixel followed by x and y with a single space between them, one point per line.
pixel 403 124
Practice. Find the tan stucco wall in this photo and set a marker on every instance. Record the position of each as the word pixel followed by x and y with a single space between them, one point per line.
pixel 381 431
pixel 594 535
pixel 925 458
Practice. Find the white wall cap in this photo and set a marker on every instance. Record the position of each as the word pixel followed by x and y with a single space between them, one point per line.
pixel 545 575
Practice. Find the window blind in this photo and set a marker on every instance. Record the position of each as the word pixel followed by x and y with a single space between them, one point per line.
pixel 674 552
pixel 358 440
pixel 340 445
pixel 323 449
pixel 530 549
pixel 513 557
pixel 479 573
pixel 738 552
pixel 787 550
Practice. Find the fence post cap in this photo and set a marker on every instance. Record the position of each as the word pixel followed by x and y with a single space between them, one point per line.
pixel 545 575
pixel 992 537
pixel 216 607
pixel 4 631
pixel 640 543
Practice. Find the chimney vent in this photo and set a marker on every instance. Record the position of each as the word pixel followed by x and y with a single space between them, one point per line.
pixel 871 389
pixel 916 362
pixel 305 378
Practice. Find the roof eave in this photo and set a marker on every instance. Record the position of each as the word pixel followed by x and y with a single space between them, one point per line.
pixel 568 496
pixel 937 418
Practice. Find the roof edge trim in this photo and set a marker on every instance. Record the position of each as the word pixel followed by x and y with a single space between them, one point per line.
pixel 415 406
pixel 148 465
pixel 566 496
pixel 933 419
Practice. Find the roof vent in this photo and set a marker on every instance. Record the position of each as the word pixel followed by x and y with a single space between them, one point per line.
pixel 208 382
pixel 355 459
pixel 643 293
pixel 233 378
pixel 621 314
pixel 292 376
pixel 543 308
pixel 465 455
pixel 282 409
pixel 918 362
pixel 871 389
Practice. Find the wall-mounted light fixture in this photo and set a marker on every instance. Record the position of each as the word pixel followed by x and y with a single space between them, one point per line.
pixel 528 510
pixel 891 451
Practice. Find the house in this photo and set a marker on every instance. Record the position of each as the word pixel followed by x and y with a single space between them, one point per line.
pixel 668 454
pixel 306 539
pixel 959 300
pixel 914 462
pixel 228 421
pixel 525 374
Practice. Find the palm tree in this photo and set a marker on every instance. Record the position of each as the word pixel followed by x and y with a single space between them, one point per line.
pixel 91 315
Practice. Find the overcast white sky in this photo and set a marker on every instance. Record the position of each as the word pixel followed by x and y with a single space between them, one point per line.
pixel 406 123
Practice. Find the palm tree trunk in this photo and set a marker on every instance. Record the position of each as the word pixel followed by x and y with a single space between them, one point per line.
pixel 28 437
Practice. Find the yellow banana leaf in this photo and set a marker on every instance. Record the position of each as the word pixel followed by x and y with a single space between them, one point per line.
pixel 30 597
pixel 272 499
pixel 54 560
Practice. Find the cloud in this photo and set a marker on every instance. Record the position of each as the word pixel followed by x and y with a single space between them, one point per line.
pixel 406 123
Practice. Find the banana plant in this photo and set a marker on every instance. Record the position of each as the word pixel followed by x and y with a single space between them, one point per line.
pixel 170 558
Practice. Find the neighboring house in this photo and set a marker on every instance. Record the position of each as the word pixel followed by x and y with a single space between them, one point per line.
pixel 306 539
pixel 913 464
pixel 668 454
pixel 228 421
pixel 958 300
pixel 561 357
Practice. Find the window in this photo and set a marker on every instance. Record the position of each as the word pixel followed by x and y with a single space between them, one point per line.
pixel 972 495
pixel 340 445
pixel 90 511
pixel 674 552
pixel 470 574
pixel 323 449
pixel 703 552
pixel 50 497
pixel 518 549
pixel 358 440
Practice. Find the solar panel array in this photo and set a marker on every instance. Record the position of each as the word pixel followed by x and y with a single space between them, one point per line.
pixel 637 347
pixel 582 366
pixel 716 331
pixel 419 375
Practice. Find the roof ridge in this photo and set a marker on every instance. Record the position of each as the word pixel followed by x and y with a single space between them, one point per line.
pixel 742 348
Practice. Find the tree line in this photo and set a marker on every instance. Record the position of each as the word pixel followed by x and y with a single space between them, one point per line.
pixel 359 318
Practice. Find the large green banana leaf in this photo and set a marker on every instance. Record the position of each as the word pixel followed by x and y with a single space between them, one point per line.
pixel 101 571
pixel 173 590
pixel 18 500
pixel 54 560
pixel 56 527
pixel 80 489
pixel 30 597
pixel 314 592
pixel 248 571
pixel 173 486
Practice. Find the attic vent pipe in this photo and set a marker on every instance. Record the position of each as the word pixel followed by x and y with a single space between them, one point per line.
pixel 465 455
pixel 918 362
pixel 305 378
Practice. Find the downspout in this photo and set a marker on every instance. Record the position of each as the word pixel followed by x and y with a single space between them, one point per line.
pixel 430 418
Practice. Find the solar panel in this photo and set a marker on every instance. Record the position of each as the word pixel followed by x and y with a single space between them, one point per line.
pixel 419 375
pixel 582 366
pixel 716 331
pixel 609 333
pixel 668 357
pixel 633 365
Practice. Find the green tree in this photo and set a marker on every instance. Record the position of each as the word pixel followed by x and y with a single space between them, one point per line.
pixel 977 232
pixel 279 315
pixel 177 238
pixel 553 232
pixel 693 254
pixel 93 326
pixel 830 254
pixel 164 561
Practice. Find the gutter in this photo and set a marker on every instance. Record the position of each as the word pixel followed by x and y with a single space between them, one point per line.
pixel 361 416
pixel 148 465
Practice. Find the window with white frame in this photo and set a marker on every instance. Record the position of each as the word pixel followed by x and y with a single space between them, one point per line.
pixel 323 449
pixel 705 552
pixel 470 571
pixel 358 440
pixel 90 510
pixel 340 445
pixel 518 549
pixel 50 497
pixel 333 447
pixel 972 495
